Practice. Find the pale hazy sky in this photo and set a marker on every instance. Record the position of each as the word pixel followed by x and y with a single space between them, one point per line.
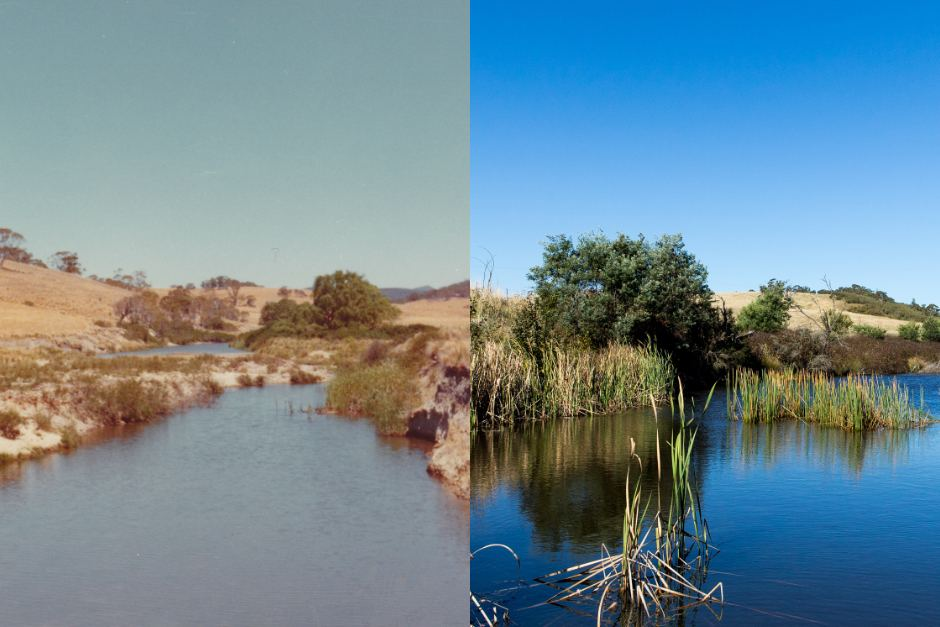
pixel 190 139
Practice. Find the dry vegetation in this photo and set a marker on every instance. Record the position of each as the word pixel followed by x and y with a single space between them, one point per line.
pixel 811 305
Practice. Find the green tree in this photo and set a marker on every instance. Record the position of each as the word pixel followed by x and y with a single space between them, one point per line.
pixel 599 290
pixel 770 311
pixel 910 331
pixel 930 330
pixel 346 299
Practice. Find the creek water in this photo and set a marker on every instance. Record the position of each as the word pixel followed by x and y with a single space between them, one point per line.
pixel 243 513
pixel 198 348
pixel 813 525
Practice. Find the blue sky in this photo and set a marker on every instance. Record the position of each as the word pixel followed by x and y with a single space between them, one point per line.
pixel 786 139
pixel 267 141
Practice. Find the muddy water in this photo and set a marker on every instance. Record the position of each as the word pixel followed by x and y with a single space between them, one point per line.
pixel 238 514
pixel 814 525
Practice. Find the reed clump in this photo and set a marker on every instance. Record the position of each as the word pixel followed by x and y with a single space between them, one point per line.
pixel 854 403
pixel 511 383
pixel 663 564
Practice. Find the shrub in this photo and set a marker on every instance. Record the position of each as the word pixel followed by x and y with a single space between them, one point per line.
pixel 383 392
pixel 248 381
pixel 302 377
pixel 769 312
pixel 870 331
pixel 930 330
pixel 69 438
pixel 137 333
pixel 10 423
pixel 126 401
pixel 910 331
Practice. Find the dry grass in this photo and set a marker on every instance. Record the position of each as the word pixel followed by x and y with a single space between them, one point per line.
pixel 452 314
pixel 62 304
pixel 736 300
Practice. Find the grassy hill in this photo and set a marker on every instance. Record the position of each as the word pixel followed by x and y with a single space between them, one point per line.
pixel 812 305
pixel 39 301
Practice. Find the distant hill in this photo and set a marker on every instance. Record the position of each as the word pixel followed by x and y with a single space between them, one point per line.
pixel 454 290
pixel 402 294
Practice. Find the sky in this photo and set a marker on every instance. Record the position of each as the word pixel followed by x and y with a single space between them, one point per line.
pixel 268 141
pixel 793 140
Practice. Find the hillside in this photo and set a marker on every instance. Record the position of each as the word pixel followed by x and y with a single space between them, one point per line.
pixel 811 304
pixel 39 301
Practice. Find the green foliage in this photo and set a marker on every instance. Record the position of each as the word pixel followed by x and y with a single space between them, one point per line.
pixel 857 403
pixel 930 330
pixel 770 311
pixel 127 401
pixel 910 331
pixel 346 299
pixel 601 290
pixel 860 299
pixel 509 383
pixel 835 323
pixel 385 392
pixel 869 331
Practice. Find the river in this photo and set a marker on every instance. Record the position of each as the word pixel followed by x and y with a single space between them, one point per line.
pixel 242 513
pixel 813 525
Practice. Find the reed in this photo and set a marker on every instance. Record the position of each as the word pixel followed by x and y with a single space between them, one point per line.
pixel 855 403
pixel 650 579
pixel 509 383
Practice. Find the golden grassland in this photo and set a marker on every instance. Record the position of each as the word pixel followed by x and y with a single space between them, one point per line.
pixel 811 305
pixel 39 301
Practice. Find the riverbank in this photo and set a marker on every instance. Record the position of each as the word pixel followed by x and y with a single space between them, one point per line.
pixel 52 398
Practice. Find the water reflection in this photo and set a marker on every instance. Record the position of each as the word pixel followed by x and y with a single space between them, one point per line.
pixel 835 449
pixel 568 475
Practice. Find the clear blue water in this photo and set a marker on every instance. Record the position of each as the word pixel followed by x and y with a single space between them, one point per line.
pixel 198 348
pixel 814 525
pixel 237 514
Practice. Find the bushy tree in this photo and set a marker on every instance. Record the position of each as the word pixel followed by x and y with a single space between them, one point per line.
pixel 930 330
pixel 910 331
pixel 770 311
pixel 599 290
pixel 345 299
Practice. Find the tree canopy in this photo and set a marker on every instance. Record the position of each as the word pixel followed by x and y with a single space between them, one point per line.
pixel 770 311
pixel 599 290
pixel 344 299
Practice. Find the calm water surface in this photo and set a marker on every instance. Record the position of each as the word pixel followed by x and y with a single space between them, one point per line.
pixel 198 348
pixel 238 514
pixel 814 525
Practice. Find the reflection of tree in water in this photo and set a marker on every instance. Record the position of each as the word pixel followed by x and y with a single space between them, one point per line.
pixel 568 475
pixel 828 447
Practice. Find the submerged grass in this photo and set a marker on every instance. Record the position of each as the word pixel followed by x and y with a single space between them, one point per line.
pixel 510 383
pixel 855 403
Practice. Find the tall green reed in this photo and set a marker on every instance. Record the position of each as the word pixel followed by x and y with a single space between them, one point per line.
pixel 854 403
pixel 509 383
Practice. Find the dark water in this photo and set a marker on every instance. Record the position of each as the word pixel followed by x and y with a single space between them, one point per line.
pixel 239 514
pixel 814 525
pixel 198 348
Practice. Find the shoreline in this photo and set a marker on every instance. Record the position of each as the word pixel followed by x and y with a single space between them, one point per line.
pixel 56 416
